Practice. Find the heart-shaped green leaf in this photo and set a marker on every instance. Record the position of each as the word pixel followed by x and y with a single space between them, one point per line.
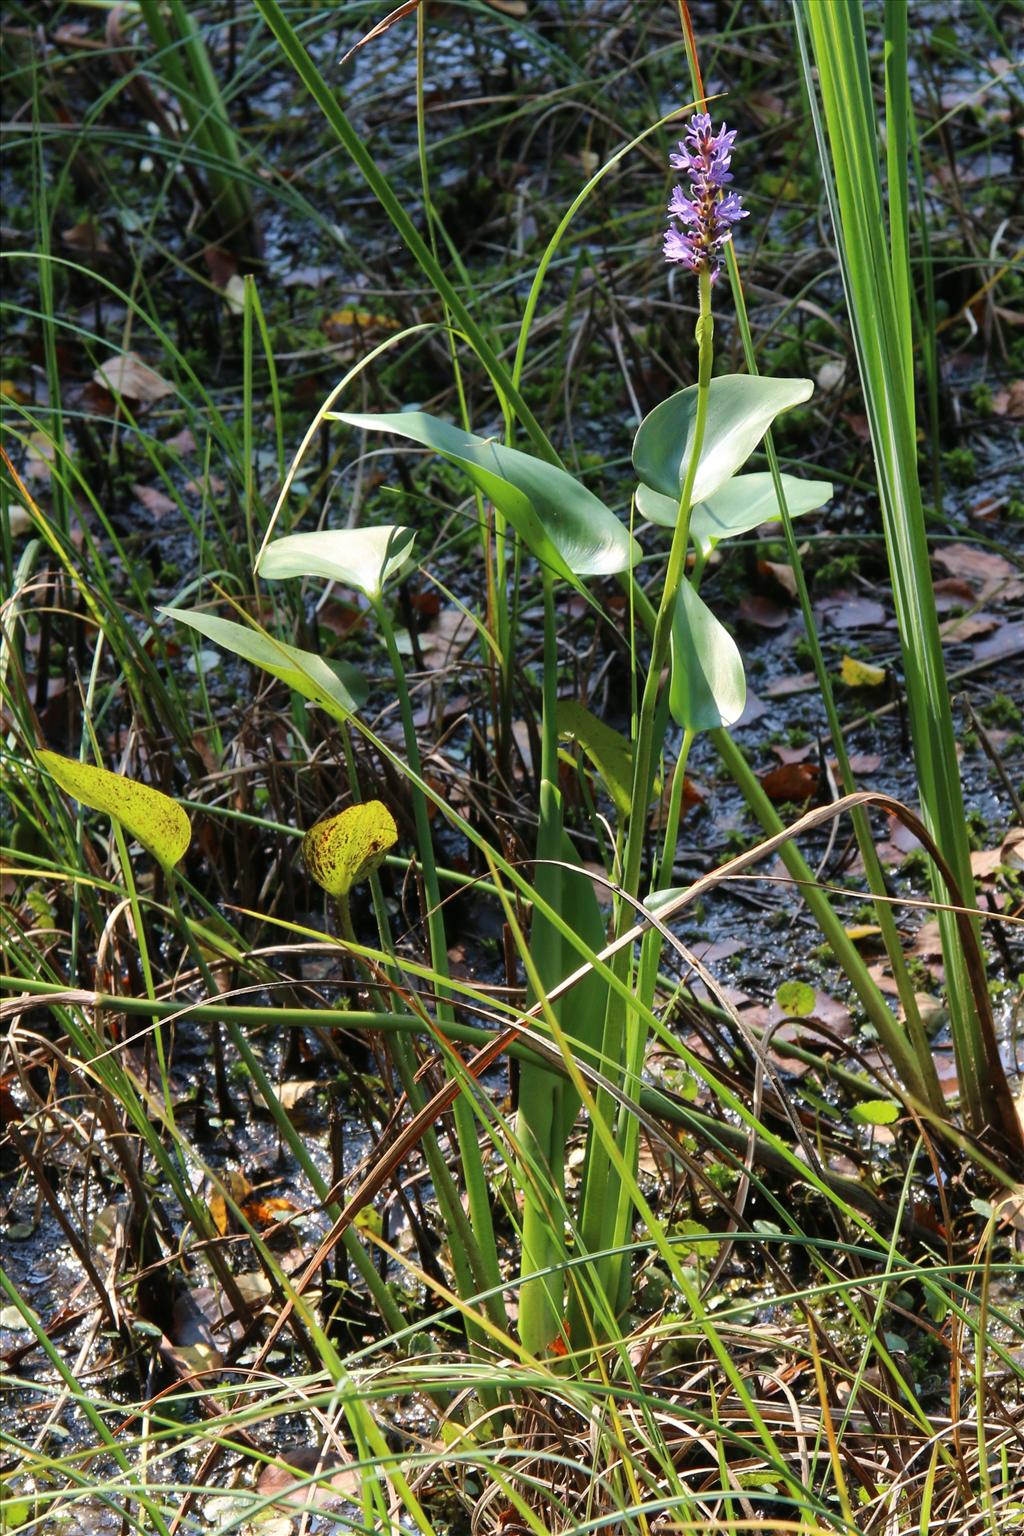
pixel 557 518
pixel 363 558
pixel 741 408
pixel 342 850
pixel 147 815
pixel 707 687
pixel 742 503
pixel 335 687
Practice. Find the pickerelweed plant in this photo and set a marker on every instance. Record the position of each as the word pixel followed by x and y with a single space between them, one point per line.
pixel 687 453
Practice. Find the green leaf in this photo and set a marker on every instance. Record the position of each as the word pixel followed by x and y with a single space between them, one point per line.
pixel 344 849
pixel 741 408
pixel 364 558
pixel 147 815
pixel 707 687
pixel 796 998
pixel 335 687
pixel 743 503
pixel 558 519
pixel 608 750
pixel 876 1111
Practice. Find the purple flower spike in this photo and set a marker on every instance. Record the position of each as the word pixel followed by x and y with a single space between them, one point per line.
pixel 708 213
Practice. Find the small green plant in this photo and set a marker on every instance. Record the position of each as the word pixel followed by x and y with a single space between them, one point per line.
pixel 961 466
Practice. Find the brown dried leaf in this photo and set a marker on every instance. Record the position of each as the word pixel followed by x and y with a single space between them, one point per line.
pixel 763 612
pixel 792 781
pixel 990 574
pixel 301 1462
pixel 128 375
pixel 780 573
pixel 1010 402
pixel 156 502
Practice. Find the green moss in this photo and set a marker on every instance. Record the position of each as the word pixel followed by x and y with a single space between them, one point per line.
pixel 960 466
pixel 1001 711
pixel 836 570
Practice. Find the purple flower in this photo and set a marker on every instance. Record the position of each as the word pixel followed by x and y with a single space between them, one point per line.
pixel 707 213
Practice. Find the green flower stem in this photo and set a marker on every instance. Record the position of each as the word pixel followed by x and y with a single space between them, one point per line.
pixel 542 1092
pixel 485 1267
pixel 605 1214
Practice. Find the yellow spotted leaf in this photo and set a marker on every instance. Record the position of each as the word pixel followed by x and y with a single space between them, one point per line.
pixel 344 849
pixel 861 674
pixel 369 1220
pixel 147 815
pixel 359 319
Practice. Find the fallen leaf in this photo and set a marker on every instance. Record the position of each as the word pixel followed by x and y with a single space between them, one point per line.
pixel 289 1484
pixel 847 610
pixel 990 574
pixel 928 940
pixel 861 674
pixel 755 609
pixel 182 442
pixel 156 502
pixel 800 682
pixel 967 626
pixel 445 638
pixel 952 591
pixel 862 762
pixel 238 1187
pixel 1010 402
pixel 292 1093
pixel 1012 851
pixel 128 375
pixel 85 238
pixel 692 795
pixel 860 933
pixel 267 1213
pixel 780 573
pixel 794 754
pixel 341 323
pixel 985 862
pixel 222 265
pixel 792 781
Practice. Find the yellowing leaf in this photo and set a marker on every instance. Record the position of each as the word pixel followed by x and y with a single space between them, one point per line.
pixel 861 674
pixel 369 1220
pixel 359 319
pixel 147 815
pixel 344 849
pixel 859 932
